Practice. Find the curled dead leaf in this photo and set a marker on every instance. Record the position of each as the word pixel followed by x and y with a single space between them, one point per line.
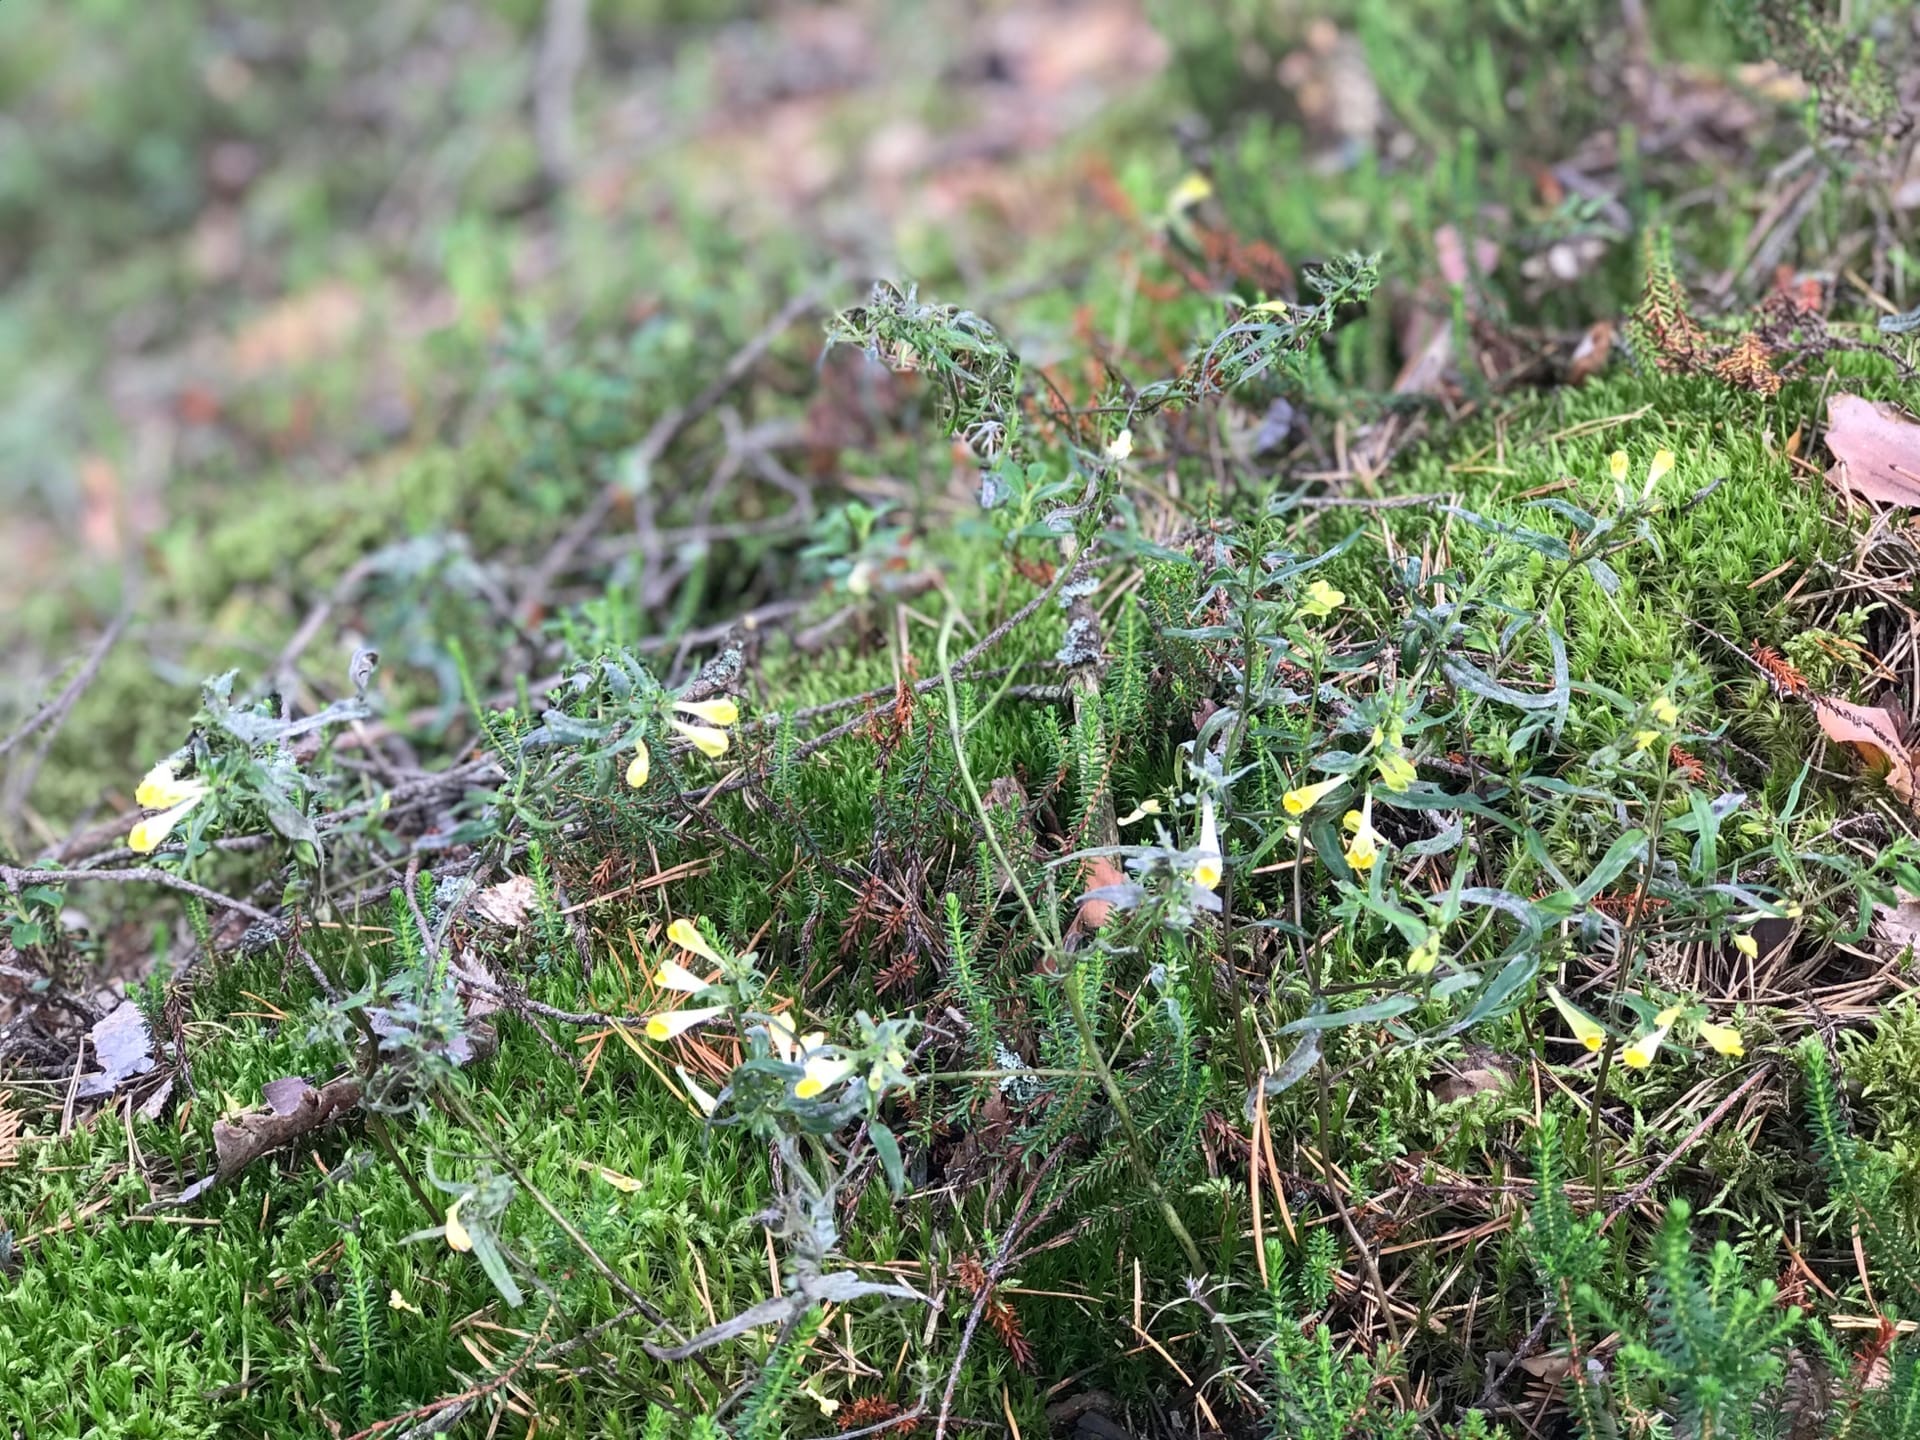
pixel 1876 735
pixel 1876 450
pixel 1100 873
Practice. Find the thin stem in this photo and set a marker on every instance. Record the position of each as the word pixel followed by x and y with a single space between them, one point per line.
pixel 1063 963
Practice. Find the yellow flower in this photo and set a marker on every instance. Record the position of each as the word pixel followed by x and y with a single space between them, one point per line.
pixel 1617 465
pixel 1425 955
pixel 669 1023
pixel 1723 1038
pixel 684 933
pixel 1302 799
pixel 1587 1030
pixel 789 1046
pixel 1322 599
pixel 823 1071
pixel 1121 446
pixel 708 741
pixel 1747 945
pixel 1657 471
pixel 1642 739
pixel 1211 866
pixel 1191 190
pixel 696 1093
pixel 397 1301
pixel 674 976
pixel 640 766
pixel 710 712
pixel 145 837
pixel 1140 812
pixel 1365 849
pixel 1639 1055
pixel 160 789
pixel 457 1236
pixel 1396 771
pixel 1664 711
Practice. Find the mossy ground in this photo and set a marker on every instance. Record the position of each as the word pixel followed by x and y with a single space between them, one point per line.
pixel 536 345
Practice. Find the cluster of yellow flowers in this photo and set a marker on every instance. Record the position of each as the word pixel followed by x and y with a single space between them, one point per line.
pixel 1639 1054
pixel 1617 465
pixel 709 736
pixel 823 1065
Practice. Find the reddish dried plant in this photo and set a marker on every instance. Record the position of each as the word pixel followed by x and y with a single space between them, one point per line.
pixel 866 1411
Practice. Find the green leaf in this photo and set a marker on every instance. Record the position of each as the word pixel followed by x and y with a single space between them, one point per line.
pixel 1620 854
pixel 1360 1015
pixel 495 1264
pixel 888 1149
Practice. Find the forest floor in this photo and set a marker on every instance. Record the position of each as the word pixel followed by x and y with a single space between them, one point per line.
pixel 1080 718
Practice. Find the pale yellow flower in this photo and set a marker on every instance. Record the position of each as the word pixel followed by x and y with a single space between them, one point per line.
pixel 1396 771
pixel 1725 1039
pixel 160 789
pixel 704 738
pixel 147 836
pixel 1643 739
pixel 823 1071
pixel 1140 812
pixel 1121 446
pixel 1424 956
pixel 1365 849
pixel 1301 799
pixel 1211 866
pixel 696 1093
pixel 1639 1055
pixel 1322 599
pixel 684 933
pixel 1747 945
pixel 710 712
pixel 670 1023
pixel 397 1301
pixel 674 976
pixel 1657 471
pixel 1587 1030
pixel 1664 711
pixel 457 1236
pixel 1617 466
pixel 640 766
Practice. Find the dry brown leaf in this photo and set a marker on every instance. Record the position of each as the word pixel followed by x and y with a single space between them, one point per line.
pixel 1100 872
pixel 300 329
pixel 1876 735
pixel 9 1131
pixel 1590 356
pixel 1876 450
pixel 507 903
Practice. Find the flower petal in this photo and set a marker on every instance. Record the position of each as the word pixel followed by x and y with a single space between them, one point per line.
pixel 1723 1038
pixel 1303 798
pixel 147 836
pixel 640 766
pixel 712 712
pixel 1617 465
pixel 1639 1055
pixel 1657 471
pixel 823 1072
pixel 670 1023
pixel 708 741
pixel 672 975
pixel 1587 1030
pixel 684 933
pixel 696 1093
pixel 457 1236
